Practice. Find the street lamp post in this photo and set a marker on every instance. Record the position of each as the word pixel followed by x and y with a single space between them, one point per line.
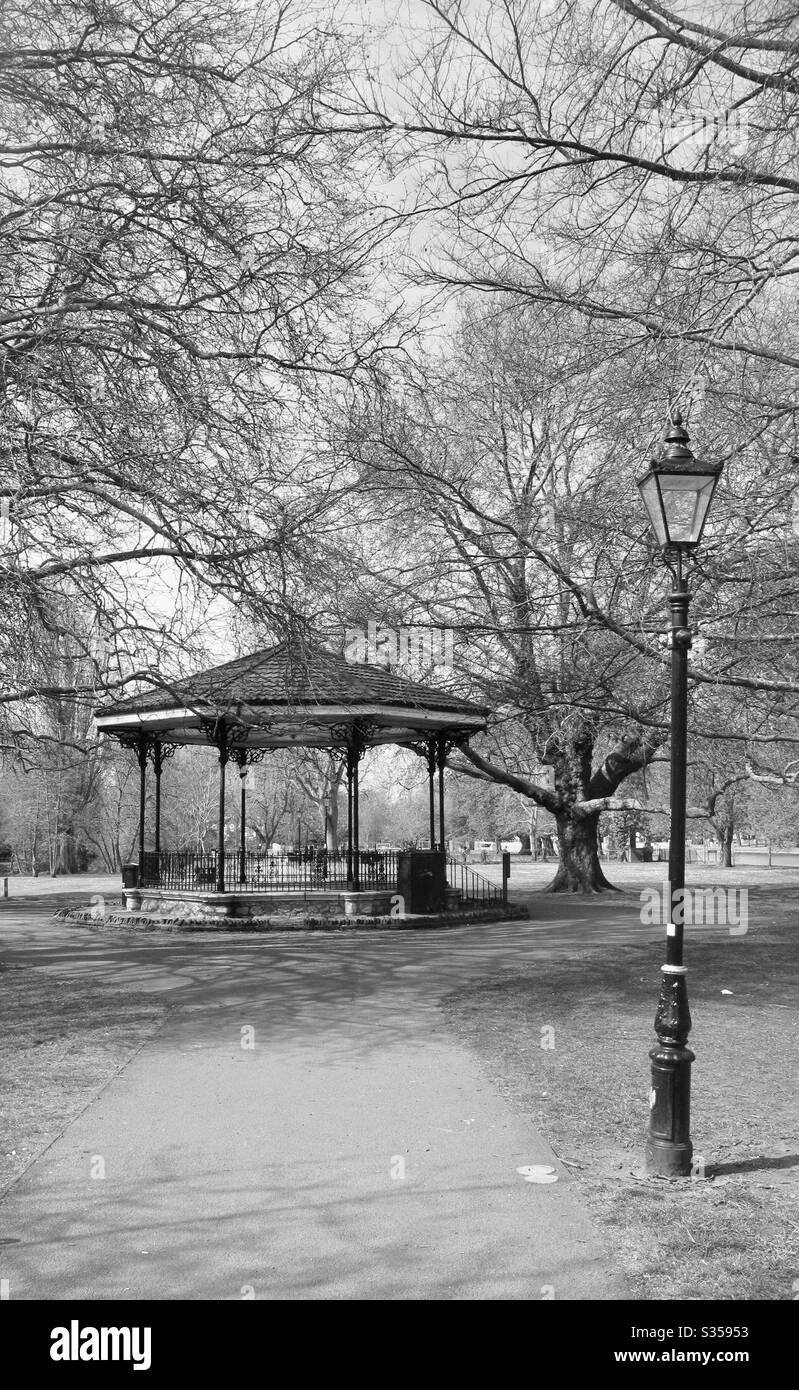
pixel 677 492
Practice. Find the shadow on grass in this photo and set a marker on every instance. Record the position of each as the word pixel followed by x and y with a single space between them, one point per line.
pixel 764 1163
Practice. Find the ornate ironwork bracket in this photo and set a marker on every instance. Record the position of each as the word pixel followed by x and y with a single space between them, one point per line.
pixel 421 747
pixel 223 734
pixel 445 742
pixel 229 736
pixel 352 740
pixel 438 746
pixel 140 744
pixel 246 757
pixel 158 751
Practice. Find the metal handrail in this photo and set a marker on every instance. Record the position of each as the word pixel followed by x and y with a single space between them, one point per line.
pixel 472 886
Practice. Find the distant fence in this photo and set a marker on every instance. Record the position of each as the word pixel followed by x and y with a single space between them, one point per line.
pixel 765 858
pixel 743 856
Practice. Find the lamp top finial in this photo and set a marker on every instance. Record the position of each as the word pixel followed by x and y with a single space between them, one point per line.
pixel 676 442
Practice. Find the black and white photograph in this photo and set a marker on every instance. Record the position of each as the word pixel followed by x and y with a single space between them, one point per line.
pixel 399 688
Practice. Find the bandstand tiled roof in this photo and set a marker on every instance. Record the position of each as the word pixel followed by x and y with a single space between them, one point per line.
pixel 293 695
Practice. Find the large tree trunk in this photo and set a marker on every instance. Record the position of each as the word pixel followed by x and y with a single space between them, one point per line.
pixel 66 858
pixel 331 824
pixel 579 870
pixel 724 839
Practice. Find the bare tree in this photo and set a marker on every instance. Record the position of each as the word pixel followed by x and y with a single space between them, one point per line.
pixel 509 482
pixel 273 800
pixel 183 246
pixel 320 776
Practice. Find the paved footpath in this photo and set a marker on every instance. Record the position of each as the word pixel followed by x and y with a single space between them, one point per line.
pixel 276 1171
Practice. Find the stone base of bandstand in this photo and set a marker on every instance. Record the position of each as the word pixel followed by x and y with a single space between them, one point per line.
pixel 154 909
pixel 346 902
pixel 189 902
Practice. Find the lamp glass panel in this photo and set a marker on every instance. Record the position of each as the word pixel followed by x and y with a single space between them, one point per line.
pixel 686 498
pixel 650 492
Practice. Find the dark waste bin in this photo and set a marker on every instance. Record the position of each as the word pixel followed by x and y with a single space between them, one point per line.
pixel 130 875
pixel 421 879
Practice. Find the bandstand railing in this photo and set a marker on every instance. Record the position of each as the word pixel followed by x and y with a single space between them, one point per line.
pixel 295 871
pixel 299 871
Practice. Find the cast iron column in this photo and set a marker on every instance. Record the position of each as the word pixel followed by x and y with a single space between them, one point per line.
pixel 668 1147
pixel 350 761
pixel 431 778
pixel 159 752
pixel 141 753
pixel 157 767
pixel 243 827
pixel 158 755
pixel 442 758
pixel 220 852
pixel 241 758
pixel 356 840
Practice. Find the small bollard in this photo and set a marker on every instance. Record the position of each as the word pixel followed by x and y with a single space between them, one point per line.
pixel 5 887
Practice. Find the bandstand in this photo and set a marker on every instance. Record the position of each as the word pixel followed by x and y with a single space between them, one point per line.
pixel 288 696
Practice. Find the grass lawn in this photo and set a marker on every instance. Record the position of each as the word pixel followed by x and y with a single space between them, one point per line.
pixel 734 1232
pixel 62 1042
